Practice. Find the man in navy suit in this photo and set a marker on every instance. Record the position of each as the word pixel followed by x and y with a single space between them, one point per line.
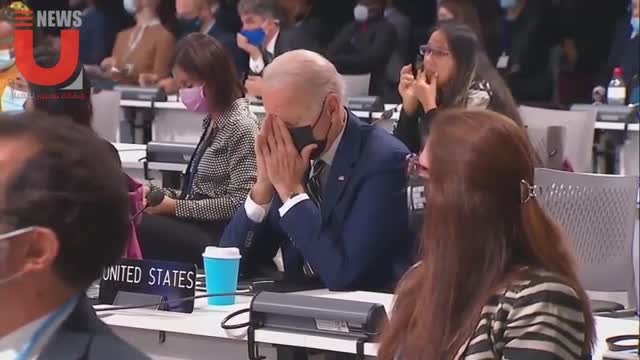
pixel 208 17
pixel 343 220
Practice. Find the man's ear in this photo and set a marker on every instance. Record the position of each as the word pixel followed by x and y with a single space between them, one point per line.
pixel 41 249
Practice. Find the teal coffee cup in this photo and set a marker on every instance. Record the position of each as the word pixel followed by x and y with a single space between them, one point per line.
pixel 221 267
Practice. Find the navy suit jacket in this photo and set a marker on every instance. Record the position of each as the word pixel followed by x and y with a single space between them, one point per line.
pixel 228 40
pixel 359 238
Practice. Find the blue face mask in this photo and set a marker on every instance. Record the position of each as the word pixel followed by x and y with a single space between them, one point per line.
pixel 508 4
pixel 13 100
pixel 254 36
pixel 635 24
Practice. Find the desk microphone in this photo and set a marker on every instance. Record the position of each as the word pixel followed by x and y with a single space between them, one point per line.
pixel 387 114
pixel 154 198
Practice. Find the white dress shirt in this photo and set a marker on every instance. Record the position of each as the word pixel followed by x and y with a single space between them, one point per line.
pixel 257 213
pixel 258 65
pixel 14 343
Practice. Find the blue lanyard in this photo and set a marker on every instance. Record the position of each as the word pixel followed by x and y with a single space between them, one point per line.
pixel 28 348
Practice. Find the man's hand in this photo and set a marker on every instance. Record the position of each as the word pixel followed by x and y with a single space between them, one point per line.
pixel 243 43
pixel 108 63
pixel 167 207
pixel 148 79
pixel 285 166
pixel 253 84
pixel 262 191
pixel 169 85
pixel 426 90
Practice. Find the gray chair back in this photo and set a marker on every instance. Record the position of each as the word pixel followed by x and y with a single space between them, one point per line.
pixel 580 127
pixel 549 145
pixel 598 214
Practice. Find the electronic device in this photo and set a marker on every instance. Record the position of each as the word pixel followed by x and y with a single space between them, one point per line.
pixel 174 153
pixel 365 103
pixel 354 320
pixel 616 113
pixel 141 93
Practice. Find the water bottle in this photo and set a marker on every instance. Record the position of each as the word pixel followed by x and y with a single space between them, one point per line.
pixel 617 91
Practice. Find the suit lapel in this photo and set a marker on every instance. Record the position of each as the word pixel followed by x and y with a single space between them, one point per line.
pixel 72 340
pixel 342 167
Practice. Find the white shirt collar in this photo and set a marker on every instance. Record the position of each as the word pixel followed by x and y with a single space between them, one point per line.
pixel 12 344
pixel 330 154
pixel 271 45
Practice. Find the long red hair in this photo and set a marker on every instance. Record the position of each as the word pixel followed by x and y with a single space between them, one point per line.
pixel 477 235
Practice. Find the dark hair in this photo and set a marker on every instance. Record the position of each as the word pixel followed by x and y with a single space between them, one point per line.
pixel 54 100
pixel 206 59
pixel 477 237
pixel 167 13
pixel 265 8
pixel 472 64
pixel 71 185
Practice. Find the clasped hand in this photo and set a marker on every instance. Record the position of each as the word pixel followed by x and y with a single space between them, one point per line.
pixel 280 166
pixel 418 88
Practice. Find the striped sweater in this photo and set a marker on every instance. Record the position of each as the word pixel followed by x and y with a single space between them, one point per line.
pixel 538 318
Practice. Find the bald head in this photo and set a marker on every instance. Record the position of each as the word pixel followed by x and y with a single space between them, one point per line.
pixel 309 74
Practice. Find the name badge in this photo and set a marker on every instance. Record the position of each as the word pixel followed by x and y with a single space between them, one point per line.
pixel 168 280
pixel 503 61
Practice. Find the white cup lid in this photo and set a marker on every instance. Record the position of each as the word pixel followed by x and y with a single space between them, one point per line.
pixel 221 253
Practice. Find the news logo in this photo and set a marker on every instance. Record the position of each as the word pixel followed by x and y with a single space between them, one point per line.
pixel 63 74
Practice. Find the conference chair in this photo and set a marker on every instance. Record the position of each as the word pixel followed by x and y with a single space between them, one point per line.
pixel 106 122
pixel 598 213
pixel 357 85
pixel 579 126
pixel 549 145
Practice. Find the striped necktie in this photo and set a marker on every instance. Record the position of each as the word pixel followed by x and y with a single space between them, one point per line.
pixel 314 185
pixel 314 190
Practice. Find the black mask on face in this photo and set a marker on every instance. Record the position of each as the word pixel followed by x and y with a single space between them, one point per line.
pixel 303 136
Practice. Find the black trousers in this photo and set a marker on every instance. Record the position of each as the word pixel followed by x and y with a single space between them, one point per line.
pixel 173 239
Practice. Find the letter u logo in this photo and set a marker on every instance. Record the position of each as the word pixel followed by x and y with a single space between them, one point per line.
pixel 32 72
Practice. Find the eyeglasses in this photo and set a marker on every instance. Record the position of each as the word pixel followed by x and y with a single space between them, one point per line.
pixel 429 50
pixel 414 169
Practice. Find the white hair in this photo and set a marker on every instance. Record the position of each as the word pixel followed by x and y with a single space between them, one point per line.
pixel 307 72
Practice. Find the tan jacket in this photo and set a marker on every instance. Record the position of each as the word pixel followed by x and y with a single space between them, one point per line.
pixel 151 54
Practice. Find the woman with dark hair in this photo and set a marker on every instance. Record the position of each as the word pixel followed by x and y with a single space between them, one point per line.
pixel 145 49
pixel 222 169
pixel 101 22
pixel 455 73
pixel 497 279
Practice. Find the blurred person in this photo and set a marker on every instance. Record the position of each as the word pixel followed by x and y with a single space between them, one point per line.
pixel 400 56
pixel 328 201
pixel 527 37
pixel 77 106
pixel 455 73
pixel 102 20
pixel 222 169
pixel 13 97
pixel 265 36
pixel 365 45
pixel 63 219
pixel 143 51
pixel 495 268
pixel 201 16
pixel 300 14
pixel 624 49
pixel 462 11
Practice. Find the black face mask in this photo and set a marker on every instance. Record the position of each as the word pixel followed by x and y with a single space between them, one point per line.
pixel 303 136
pixel 189 25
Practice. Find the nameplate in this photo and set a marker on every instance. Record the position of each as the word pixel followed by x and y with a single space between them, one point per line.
pixel 170 280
